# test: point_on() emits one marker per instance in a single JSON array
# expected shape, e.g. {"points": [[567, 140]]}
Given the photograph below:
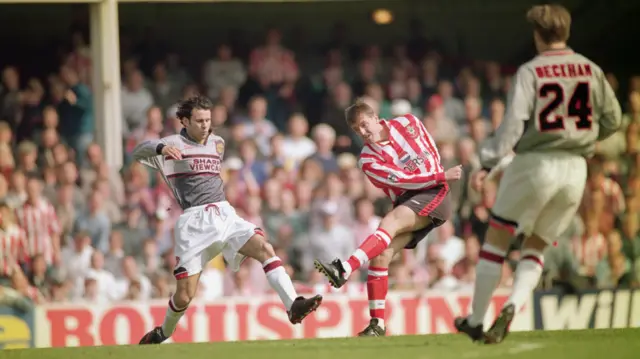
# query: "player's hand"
{"points": [[172, 152], [477, 180], [453, 174]]}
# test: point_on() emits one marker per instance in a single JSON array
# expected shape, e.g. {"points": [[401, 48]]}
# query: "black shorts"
{"points": [[433, 203]]}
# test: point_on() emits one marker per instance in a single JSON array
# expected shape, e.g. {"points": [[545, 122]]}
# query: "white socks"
{"points": [[280, 281], [488, 274], [171, 318], [527, 277]]}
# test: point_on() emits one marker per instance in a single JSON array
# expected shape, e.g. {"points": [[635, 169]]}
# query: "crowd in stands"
{"points": [[75, 229]]}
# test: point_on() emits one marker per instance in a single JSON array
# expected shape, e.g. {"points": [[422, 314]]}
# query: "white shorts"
{"points": [[204, 232], [540, 193]]}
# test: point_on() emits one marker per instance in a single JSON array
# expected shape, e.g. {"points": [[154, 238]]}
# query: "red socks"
{"points": [[372, 247], [377, 288]]}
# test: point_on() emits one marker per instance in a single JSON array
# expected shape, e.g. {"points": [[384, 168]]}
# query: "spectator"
{"points": [[98, 169], [113, 258], [38, 218], [136, 101], [257, 126], [453, 107], [366, 222], [297, 146], [65, 209], [27, 158], [10, 96], [615, 269], [7, 162], [224, 71], [328, 241], [272, 63], [324, 137], [442, 128], [50, 139], [76, 259], [163, 90], [132, 284], [496, 113], [134, 228], [76, 113], [104, 280], [450, 247], [13, 241], [31, 116]]}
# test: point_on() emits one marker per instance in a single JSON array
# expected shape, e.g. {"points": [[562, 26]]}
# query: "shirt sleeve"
{"points": [[147, 152], [520, 105], [387, 175], [611, 118]]}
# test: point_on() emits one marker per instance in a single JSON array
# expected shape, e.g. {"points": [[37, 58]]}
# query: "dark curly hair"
{"points": [[186, 107]]}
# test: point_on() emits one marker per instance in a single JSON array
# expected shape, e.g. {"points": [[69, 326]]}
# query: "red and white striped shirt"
{"points": [[409, 160], [589, 251], [613, 197], [12, 249], [41, 225]]}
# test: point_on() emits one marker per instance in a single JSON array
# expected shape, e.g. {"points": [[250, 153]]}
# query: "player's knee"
{"points": [[267, 249], [499, 238], [391, 225], [182, 297], [261, 248], [534, 242], [384, 259]]}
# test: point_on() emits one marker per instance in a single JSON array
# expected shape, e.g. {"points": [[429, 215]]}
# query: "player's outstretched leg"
{"points": [[527, 276], [378, 286], [297, 307], [488, 274], [178, 304], [337, 272], [401, 220]]}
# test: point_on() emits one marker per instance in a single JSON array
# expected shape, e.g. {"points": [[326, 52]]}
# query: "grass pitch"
{"points": [[587, 344]]}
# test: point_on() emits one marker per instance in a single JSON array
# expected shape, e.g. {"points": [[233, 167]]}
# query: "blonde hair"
{"points": [[27, 147], [551, 22], [360, 107]]}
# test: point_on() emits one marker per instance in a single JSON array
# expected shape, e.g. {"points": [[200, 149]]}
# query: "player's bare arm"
{"points": [[520, 106]]}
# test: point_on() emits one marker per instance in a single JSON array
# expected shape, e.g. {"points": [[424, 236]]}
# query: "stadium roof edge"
{"points": [[162, 1]]}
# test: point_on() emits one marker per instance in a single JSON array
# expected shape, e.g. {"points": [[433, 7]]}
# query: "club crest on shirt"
{"points": [[220, 148], [411, 131]]}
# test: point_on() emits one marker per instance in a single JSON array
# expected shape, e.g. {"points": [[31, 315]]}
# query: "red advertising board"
{"points": [[249, 319]]}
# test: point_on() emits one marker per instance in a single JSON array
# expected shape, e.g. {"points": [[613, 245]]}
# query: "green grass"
{"points": [[591, 344]]}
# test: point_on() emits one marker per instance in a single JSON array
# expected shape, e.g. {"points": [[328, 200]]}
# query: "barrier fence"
{"points": [[339, 316]]}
